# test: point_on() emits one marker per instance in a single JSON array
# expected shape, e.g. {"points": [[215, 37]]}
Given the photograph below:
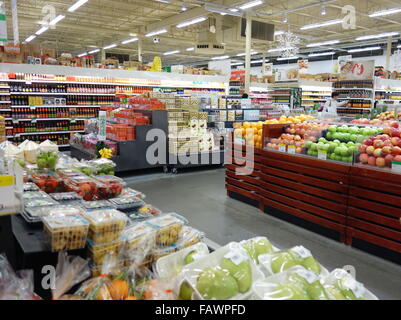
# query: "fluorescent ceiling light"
{"points": [[190, 22], [155, 33], [29, 39], [385, 12], [380, 35], [164, 1], [399, 46], [224, 12], [325, 43], [237, 63], [281, 49], [233, 10], [322, 24], [110, 46], [250, 4], [322, 54], [82, 54], [130, 40], [56, 20], [41, 30], [190, 49], [277, 33], [94, 51], [76, 5], [364, 49], [258, 61], [171, 52], [220, 58], [288, 58], [244, 54]]}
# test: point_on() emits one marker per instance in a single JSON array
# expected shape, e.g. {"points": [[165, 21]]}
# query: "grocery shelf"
{"points": [[367, 89], [60, 106], [5, 109], [60, 94], [4, 93], [5, 102], [50, 119], [349, 98], [46, 132], [314, 99]]}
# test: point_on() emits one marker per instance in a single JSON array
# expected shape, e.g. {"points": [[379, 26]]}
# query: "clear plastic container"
{"points": [[109, 186], [40, 202], [128, 192], [162, 251], [82, 185], [66, 232], [128, 203], [48, 182], [105, 225], [103, 166], [97, 204], [150, 210], [66, 196], [134, 234], [55, 210], [30, 186], [35, 195], [97, 252], [68, 173], [168, 227], [189, 236]]}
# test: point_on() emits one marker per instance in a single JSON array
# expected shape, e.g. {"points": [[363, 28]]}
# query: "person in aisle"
{"points": [[245, 96], [332, 104]]}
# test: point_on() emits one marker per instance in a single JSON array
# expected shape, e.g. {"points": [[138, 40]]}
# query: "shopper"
{"points": [[332, 104]]}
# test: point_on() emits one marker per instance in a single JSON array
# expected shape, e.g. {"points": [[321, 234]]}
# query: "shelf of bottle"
{"points": [[367, 89], [4, 93], [356, 108], [50, 119], [5, 102], [351, 98], [47, 132], [314, 99], [4, 87], [60, 106], [60, 94]]}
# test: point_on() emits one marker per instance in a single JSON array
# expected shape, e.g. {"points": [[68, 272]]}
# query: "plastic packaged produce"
{"points": [[296, 283], [168, 227], [189, 236], [128, 203], [103, 166], [31, 150], [66, 196], [297, 256], [149, 210], [35, 195], [227, 273], [128, 192], [40, 202], [82, 185], [54, 210], [48, 182], [47, 160], [70, 271], [157, 289], [13, 285], [12, 151], [109, 186], [97, 252], [105, 225], [30, 186], [65, 232], [170, 266], [340, 285], [97, 204], [48, 146], [66, 173], [257, 246], [136, 235], [85, 168]]}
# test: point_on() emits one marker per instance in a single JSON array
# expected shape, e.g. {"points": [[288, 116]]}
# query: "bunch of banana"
{"points": [[106, 153]]}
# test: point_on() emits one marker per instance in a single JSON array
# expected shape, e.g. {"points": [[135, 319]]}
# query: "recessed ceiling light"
{"points": [[82, 54], [41, 30], [280, 49], [29, 39], [56, 20], [287, 58], [94, 51], [190, 49]]}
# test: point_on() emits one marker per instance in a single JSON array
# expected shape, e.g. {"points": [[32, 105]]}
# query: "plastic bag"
{"points": [[48, 146], [156, 289], [15, 286], [258, 246], [12, 151], [31, 150], [69, 272]]}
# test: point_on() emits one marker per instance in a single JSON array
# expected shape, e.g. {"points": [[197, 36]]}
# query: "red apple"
{"points": [[377, 153], [378, 144], [396, 151], [387, 150], [372, 161], [387, 130], [370, 150], [298, 150], [395, 141], [380, 162], [388, 143], [364, 158], [368, 142], [397, 158], [395, 132], [384, 137], [389, 159], [362, 148], [395, 124]]}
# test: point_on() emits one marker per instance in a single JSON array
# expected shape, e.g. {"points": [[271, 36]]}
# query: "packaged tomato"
{"points": [[48, 182], [83, 186], [109, 186]]}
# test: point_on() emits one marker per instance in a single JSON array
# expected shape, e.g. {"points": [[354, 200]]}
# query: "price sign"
{"points": [[396, 166], [291, 149], [7, 195], [282, 148], [102, 126], [322, 155]]}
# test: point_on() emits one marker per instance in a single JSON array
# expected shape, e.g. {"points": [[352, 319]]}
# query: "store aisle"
{"points": [[201, 197]]}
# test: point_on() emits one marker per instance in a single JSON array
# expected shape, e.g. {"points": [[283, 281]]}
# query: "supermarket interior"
{"points": [[200, 150]]}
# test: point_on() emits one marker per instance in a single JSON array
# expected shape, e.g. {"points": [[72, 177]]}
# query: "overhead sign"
{"points": [[358, 70], [3, 24]]}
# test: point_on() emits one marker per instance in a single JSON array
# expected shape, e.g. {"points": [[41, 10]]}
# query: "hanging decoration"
{"points": [[288, 44]]}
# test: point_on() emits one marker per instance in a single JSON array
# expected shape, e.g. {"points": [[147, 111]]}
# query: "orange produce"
{"points": [[119, 289]]}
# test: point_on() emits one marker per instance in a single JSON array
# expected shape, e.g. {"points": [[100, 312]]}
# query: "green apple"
{"points": [[214, 283], [333, 129]]}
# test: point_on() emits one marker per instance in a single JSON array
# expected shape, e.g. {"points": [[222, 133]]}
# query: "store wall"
{"points": [[326, 66]]}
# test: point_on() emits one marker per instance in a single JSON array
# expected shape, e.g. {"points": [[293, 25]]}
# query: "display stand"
{"points": [[7, 245]]}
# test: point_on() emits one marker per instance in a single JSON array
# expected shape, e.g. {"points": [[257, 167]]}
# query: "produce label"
{"points": [[396, 166], [282, 148], [302, 252], [291, 149], [236, 257], [307, 275], [322, 155]]}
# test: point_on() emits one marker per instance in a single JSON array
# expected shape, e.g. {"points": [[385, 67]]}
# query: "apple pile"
{"points": [[288, 139], [381, 150], [307, 130], [388, 115], [354, 134], [376, 122], [335, 150]]}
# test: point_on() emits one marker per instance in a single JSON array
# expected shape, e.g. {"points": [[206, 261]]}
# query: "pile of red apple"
{"points": [[377, 122], [287, 139], [381, 150], [307, 130]]}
